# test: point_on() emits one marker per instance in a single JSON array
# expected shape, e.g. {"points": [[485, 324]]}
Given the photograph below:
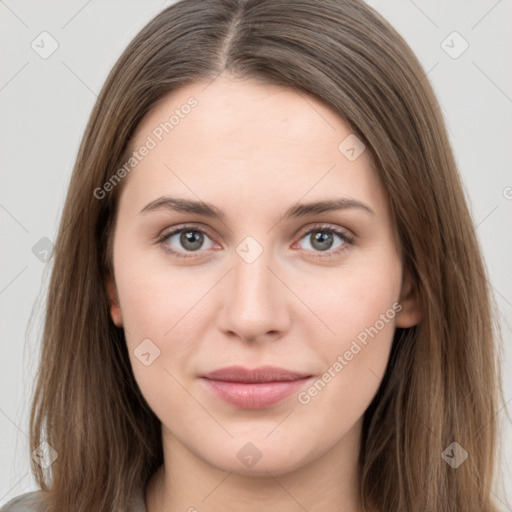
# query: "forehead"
{"points": [[240, 136], [243, 110]]}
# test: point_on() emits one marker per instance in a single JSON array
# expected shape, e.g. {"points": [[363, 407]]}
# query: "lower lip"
{"points": [[254, 395]]}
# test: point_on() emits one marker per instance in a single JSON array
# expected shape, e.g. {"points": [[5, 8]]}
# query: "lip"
{"points": [[256, 388]]}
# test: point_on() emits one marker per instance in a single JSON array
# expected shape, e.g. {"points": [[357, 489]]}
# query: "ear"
{"points": [[411, 312], [113, 300]]}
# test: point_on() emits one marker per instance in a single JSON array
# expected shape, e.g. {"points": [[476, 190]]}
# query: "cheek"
{"points": [[161, 310], [346, 302], [358, 313], [159, 340], [152, 295], [336, 399]]}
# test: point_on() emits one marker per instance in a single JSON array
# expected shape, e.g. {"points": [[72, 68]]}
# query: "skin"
{"points": [[254, 150]]}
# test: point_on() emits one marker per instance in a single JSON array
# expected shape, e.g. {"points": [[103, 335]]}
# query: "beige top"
{"points": [[32, 502]]}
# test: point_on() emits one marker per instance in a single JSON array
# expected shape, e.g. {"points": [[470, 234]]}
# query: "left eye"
{"points": [[190, 239], [322, 239]]}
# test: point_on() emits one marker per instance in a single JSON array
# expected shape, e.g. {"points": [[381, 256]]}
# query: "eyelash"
{"points": [[347, 239]]}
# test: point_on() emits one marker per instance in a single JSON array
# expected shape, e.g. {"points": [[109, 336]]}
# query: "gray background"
{"points": [[45, 104]]}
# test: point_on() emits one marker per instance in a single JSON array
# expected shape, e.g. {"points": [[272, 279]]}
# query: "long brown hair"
{"points": [[442, 384]]}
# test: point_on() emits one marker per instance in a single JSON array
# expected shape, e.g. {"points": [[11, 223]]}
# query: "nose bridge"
{"points": [[255, 303], [252, 280]]}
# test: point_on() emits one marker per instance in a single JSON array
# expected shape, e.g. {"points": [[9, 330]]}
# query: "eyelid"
{"points": [[326, 226], [192, 226], [343, 233]]}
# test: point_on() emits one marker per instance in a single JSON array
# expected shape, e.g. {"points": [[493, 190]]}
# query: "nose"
{"points": [[257, 302]]}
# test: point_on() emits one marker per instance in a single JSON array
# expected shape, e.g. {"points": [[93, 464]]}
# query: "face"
{"points": [[255, 280]]}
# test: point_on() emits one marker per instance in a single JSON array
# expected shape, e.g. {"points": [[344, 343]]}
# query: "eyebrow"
{"points": [[209, 210]]}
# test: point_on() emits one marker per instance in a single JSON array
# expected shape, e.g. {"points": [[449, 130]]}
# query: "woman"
{"points": [[267, 292]]}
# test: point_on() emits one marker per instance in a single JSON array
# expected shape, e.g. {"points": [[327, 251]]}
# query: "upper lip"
{"points": [[260, 374]]}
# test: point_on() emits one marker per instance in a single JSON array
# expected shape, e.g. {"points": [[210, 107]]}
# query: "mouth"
{"points": [[257, 388]]}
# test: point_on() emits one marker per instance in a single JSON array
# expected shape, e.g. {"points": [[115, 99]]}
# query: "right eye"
{"points": [[190, 238]]}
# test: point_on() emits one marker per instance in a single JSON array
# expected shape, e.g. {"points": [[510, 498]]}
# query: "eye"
{"points": [[190, 239], [323, 239], [187, 239]]}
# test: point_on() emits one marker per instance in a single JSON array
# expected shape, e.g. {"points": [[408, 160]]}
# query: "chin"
{"points": [[258, 457]]}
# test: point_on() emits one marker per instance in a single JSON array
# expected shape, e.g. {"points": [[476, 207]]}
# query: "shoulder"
{"points": [[34, 502], [28, 502]]}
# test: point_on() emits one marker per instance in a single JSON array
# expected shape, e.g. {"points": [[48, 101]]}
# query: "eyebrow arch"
{"points": [[295, 211]]}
